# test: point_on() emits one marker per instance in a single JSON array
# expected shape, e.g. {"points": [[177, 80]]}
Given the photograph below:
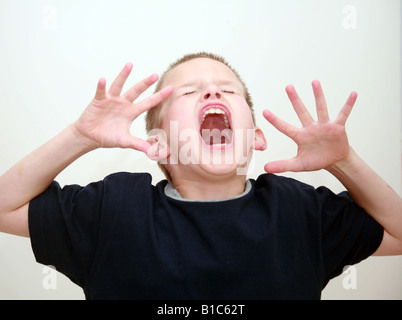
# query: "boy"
{"points": [[208, 233]]}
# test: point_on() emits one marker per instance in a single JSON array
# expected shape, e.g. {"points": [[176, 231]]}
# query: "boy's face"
{"points": [[208, 123]]}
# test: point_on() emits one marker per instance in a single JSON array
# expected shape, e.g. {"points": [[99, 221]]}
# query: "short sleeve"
{"points": [[63, 225], [349, 234]]}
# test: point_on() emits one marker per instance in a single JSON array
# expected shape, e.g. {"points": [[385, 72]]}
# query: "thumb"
{"points": [[283, 166], [158, 151], [132, 142]]}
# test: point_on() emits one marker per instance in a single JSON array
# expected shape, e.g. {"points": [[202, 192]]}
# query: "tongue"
{"points": [[214, 121], [214, 131]]}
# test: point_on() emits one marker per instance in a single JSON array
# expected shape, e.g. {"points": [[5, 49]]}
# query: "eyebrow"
{"points": [[194, 83], [189, 84]]}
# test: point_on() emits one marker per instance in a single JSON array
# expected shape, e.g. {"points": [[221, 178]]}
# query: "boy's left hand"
{"points": [[322, 143]]}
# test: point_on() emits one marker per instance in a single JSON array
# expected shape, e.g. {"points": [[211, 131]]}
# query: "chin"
{"points": [[219, 170], [222, 162]]}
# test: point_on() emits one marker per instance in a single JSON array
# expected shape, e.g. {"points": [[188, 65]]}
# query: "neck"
{"points": [[207, 189]]}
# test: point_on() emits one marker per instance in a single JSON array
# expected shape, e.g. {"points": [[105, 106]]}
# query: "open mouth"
{"points": [[215, 126]]}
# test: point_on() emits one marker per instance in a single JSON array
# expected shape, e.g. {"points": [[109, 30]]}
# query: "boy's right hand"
{"points": [[106, 121]]}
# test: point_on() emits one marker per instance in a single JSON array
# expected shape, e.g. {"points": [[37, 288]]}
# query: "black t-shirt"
{"points": [[123, 238]]}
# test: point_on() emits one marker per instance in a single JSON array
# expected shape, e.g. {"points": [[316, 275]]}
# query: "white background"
{"points": [[53, 52]]}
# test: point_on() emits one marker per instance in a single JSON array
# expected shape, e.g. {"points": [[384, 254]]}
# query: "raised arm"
{"points": [[323, 144], [105, 123]]}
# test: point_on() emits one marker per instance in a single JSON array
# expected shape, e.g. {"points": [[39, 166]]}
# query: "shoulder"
{"points": [[128, 177], [287, 197], [291, 193], [113, 188], [275, 183], [120, 181], [288, 185], [124, 185]]}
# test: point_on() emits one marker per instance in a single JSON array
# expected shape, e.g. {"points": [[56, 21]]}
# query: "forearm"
{"points": [[370, 192], [33, 174]]}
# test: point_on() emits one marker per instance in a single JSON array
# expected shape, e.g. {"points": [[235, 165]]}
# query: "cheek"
{"points": [[179, 123], [242, 112], [243, 119], [176, 111], [244, 128]]}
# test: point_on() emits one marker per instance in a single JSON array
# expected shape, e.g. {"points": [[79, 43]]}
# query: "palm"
{"points": [[320, 146], [320, 143], [107, 120]]}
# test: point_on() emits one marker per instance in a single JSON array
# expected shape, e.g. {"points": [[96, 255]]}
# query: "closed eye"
{"points": [[228, 91], [188, 93]]}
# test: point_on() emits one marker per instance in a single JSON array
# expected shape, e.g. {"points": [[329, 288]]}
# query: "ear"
{"points": [[159, 149], [260, 143]]}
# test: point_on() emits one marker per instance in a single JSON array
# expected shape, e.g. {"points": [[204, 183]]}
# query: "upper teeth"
{"points": [[216, 111]]}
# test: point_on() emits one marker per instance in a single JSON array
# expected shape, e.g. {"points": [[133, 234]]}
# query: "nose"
{"points": [[211, 92]]}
